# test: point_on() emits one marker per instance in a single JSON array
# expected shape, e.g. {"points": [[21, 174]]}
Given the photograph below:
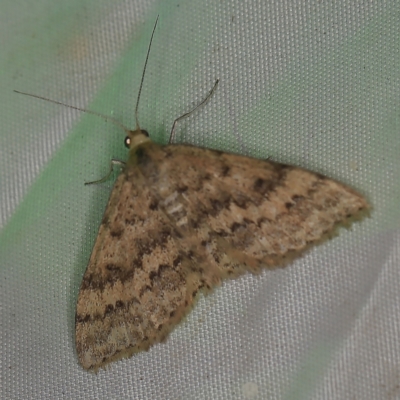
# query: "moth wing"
{"points": [[139, 282], [248, 213]]}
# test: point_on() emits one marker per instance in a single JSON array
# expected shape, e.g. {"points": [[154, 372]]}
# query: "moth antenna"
{"points": [[143, 73], [105, 117]]}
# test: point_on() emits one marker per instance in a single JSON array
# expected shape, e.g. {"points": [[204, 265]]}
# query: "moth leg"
{"points": [[113, 162], [172, 134]]}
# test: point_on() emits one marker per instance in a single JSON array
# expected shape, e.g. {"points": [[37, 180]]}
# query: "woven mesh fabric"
{"points": [[310, 83]]}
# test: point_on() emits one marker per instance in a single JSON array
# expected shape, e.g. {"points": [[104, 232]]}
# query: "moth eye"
{"points": [[145, 133], [127, 142]]}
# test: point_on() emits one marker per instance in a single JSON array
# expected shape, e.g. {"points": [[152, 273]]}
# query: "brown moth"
{"points": [[180, 219]]}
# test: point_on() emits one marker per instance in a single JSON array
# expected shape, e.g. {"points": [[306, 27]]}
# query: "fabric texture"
{"points": [[313, 84]]}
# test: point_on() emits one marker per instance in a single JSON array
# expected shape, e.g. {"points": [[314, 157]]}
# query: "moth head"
{"points": [[136, 138]]}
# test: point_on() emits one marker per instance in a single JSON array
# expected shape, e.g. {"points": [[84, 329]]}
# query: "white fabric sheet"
{"points": [[310, 83]]}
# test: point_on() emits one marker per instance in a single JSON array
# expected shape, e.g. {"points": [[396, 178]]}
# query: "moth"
{"points": [[180, 219]]}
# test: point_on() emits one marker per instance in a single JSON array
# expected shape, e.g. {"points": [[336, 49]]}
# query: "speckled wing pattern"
{"points": [[180, 219]]}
